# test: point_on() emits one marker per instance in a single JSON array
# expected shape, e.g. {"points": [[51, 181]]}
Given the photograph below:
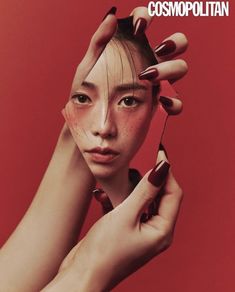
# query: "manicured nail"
{"points": [[161, 147], [148, 74], [99, 195], [104, 200], [159, 173], [165, 48], [166, 101], [140, 26], [111, 11]]}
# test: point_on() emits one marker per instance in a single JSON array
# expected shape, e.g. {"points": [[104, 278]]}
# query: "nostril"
{"points": [[104, 134], [106, 130]]}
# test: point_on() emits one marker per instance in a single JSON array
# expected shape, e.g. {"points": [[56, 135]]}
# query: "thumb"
{"points": [[146, 190]]}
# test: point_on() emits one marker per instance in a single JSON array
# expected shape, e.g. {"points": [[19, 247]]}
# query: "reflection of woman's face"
{"points": [[111, 112]]}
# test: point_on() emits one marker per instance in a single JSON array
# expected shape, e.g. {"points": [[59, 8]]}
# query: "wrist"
{"points": [[75, 281]]}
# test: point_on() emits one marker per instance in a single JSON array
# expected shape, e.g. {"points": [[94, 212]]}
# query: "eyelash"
{"points": [[87, 100], [81, 95], [133, 99]]}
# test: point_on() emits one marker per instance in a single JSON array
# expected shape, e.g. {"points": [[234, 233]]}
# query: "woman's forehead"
{"points": [[119, 63]]}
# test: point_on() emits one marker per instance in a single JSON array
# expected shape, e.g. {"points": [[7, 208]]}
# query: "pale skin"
{"points": [[123, 243], [111, 112], [62, 192]]}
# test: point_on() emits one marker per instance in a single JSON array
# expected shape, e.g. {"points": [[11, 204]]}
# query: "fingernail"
{"points": [[104, 200], [166, 101], [165, 48], [140, 26], [161, 147], [113, 11], [100, 195], [159, 173], [148, 74]]}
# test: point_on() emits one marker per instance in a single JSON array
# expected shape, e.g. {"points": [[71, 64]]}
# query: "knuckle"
{"points": [[148, 198], [167, 242], [179, 192]]}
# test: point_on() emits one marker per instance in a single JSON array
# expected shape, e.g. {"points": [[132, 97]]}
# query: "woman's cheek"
{"points": [[136, 121], [134, 130]]}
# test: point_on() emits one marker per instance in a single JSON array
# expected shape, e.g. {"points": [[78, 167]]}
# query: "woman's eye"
{"points": [[129, 102], [81, 99]]}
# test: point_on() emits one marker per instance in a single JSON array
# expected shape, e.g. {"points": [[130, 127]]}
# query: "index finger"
{"points": [[97, 44]]}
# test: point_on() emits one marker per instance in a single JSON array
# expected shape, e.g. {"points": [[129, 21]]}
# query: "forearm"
{"points": [[49, 229], [75, 279]]}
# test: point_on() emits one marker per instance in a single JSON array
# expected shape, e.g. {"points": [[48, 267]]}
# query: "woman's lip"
{"points": [[103, 151], [102, 157]]}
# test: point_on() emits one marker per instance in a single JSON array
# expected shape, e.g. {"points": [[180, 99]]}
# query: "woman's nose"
{"points": [[105, 126]]}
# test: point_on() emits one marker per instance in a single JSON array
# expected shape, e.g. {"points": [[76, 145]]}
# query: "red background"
{"points": [[41, 44]]}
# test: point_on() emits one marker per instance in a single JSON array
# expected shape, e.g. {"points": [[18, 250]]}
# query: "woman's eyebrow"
{"points": [[130, 86], [89, 85]]}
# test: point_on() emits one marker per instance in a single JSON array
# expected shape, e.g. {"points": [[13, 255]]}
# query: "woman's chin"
{"points": [[103, 171]]}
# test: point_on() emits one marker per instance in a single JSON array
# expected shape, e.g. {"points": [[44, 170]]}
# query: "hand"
{"points": [[167, 68], [120, 243], [63, 196]]}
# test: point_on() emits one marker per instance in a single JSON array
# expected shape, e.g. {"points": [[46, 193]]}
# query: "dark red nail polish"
{"points": [[148, 74], [104, 200], [159, 173], [166, 101], [165, 48], [99, 195], [140, 26], [113, 11]]}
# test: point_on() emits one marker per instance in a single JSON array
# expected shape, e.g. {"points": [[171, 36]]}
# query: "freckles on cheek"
{"points": [[134, 125]]}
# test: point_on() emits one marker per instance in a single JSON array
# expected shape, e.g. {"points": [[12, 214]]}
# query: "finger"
{"points": [[141, 19], [171, 197], [173, 106], [97, 44], [169, 204], [162, 149], [103, 199], [153, 207], [161, 155], [153, 210], [171, 47], [169, 70], [145, 192]]}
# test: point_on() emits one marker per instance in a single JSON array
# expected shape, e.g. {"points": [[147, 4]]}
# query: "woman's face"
{"points": [[111, 111]]}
